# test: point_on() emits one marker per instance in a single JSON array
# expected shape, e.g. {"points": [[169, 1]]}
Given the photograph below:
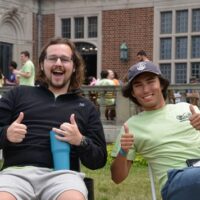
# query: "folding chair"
{"points": [[89, 182], [153, 189]]}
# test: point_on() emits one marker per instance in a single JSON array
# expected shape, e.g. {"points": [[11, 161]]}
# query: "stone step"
{"points": [[111, 132]]}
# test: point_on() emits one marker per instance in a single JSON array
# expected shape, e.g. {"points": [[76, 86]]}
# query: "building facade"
{"points": [[169, 32]]}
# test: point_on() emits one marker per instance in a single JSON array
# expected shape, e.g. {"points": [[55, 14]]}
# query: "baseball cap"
{"points": [[142, 67]]}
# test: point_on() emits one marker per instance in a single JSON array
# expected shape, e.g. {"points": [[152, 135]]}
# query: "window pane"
{"points": [[92, 27], [195, 47], [66, 28], [166, 71], [165, 48], [182, 21], [166, 22], [195, 70], [196, 20], [180, 73], [181, 47], [79, 27]]}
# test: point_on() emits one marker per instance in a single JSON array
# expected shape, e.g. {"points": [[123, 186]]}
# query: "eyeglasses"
{"points": [[53, 59]]}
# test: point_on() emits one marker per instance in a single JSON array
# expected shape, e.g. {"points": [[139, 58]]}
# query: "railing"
{"points": [[188, 92], [4, 89], [123, 107]]}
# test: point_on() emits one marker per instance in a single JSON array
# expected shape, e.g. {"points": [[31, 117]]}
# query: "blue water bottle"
{"points": [[60, 152]]}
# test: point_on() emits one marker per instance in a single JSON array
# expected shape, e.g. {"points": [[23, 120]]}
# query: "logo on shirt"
{"points": [[82, 104], [183, 117]]}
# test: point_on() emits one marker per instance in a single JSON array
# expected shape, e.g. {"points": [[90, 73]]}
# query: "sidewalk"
{"points": [[111, 132]]}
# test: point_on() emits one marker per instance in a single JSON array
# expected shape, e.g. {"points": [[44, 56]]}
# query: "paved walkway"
{"points": [[111, 132]]}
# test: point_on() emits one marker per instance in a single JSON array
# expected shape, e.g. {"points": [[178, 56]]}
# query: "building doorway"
{"points": [[5, 57], [89, 53]]}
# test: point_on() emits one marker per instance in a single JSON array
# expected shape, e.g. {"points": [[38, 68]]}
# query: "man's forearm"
{"points": [[24, 74], [120, 169], [20, 73]]}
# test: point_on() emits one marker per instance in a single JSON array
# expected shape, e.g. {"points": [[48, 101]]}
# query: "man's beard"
{"points": [[58, 85]]}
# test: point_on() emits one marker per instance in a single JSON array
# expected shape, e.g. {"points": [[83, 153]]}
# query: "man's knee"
{"points": [[6, 196], [71, 193]]}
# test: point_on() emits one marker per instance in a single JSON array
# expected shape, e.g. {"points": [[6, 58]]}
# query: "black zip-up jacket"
{"points": [[42, 112]]}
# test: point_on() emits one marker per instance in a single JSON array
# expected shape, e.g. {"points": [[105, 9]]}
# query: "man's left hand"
{"points": [[69, 132], [194, 118]]}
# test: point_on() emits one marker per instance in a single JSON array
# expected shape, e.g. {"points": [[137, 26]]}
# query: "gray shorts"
{"points": [[36, 183]]}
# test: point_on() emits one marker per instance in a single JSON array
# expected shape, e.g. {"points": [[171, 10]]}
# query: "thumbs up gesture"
{"points": [[69, 132], [16, 131], [194, 118], [127, 139]]}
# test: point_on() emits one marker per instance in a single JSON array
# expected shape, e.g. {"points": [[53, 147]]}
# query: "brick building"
{"points": [[169, 31]]}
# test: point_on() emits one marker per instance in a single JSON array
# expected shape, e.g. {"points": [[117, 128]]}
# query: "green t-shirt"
{"points": [[109, 97], [164, 137], [28, 67]]}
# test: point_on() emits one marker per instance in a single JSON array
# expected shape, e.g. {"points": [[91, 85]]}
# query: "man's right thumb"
{"points": [[20, 117], [126, 129]]}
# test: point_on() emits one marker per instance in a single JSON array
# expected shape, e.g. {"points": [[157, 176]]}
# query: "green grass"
{"points": [[135, 187]]}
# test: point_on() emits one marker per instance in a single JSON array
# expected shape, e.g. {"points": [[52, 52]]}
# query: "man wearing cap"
{"points": [[166, 135], [142, 56]]}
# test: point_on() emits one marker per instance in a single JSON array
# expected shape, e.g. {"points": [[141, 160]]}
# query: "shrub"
{"points": [[139, 160]]}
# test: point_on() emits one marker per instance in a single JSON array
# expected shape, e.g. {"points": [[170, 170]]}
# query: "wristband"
{"points": [[122, 152]]}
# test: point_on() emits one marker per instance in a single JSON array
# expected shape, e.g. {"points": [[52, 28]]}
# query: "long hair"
{"points": [[77, 77]]}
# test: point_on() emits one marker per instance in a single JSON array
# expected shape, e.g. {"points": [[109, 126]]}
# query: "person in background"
{"points": [[93, 95], [192, 96], [166, 135], [109, 97], [28, 114], [26, 74], [12, 80], [110, 74], [142, 56], [116, 79], [92, 81], [113, 76]]}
